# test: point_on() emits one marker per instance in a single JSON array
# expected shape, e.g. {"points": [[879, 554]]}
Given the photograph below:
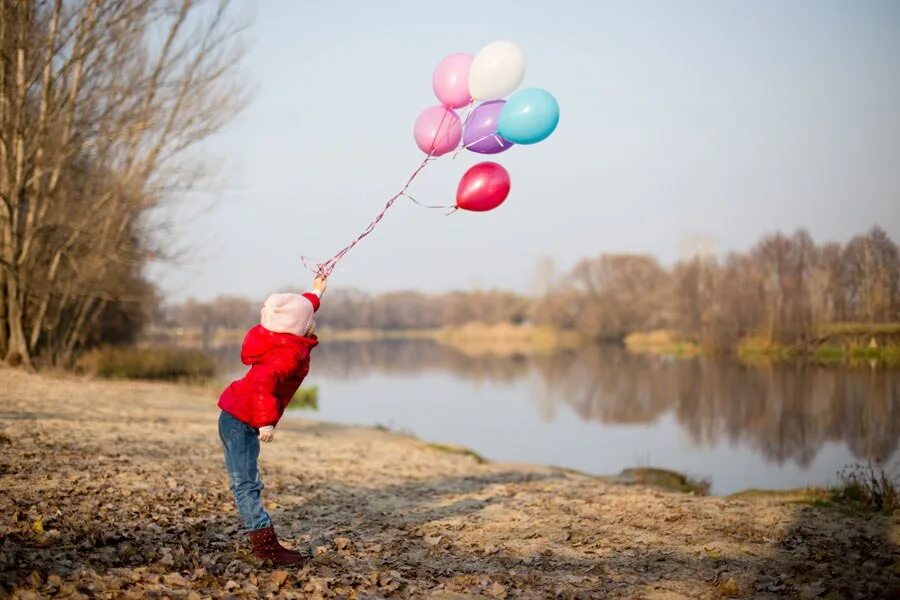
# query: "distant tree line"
{"points": [[783, 289], [354, 309], [99, 102]]}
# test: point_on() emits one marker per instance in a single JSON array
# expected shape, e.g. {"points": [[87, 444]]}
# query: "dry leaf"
{"points": [[174, 579], [341, 542], [730, 588], [278, 577]]}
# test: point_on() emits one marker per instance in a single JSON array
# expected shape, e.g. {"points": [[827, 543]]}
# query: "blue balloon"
{"points": [[529, 116]]}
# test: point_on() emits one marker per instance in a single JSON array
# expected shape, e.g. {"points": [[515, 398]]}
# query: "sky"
{"points": [[719, 121]]}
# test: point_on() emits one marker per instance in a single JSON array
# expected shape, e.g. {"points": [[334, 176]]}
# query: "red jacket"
{"points": [[278, 364]]}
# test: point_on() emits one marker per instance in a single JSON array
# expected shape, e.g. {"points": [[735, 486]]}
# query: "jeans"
{"points": [[241, 446]]}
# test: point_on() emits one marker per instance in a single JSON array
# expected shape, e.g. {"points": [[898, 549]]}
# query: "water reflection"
{"points": [[783, 412]]}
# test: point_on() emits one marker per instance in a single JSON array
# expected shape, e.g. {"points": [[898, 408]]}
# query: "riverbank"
{"points": [[833, 344], [117, 488], [838, 343]]}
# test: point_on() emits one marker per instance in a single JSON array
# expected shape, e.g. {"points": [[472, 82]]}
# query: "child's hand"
{"points": [[319, 284], [267, 434]]}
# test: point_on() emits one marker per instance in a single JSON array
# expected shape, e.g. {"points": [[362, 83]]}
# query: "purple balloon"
{"points": [[480, 133]]}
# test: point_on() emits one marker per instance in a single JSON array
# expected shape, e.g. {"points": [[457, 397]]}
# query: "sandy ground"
{"points": [[117, 489]]}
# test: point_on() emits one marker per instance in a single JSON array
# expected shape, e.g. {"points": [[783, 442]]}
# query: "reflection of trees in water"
{"points": [[608, 385], [352, 360], [787, 412]]}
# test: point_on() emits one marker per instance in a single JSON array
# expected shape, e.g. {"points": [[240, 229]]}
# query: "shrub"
{"points": [[167, 363], [306, 398], [869, 487], [665, 479]]}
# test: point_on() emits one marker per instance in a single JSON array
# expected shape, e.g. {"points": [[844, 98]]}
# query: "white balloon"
{"points": [[496, 71]]}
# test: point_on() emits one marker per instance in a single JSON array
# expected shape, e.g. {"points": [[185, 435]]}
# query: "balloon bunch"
{"points": [[493, 126]]}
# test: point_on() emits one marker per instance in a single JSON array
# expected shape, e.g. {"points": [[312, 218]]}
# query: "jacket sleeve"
{"points": [[314, 300]]}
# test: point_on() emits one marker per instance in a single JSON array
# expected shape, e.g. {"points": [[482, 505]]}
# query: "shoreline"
{"points": [[839, 344], [116, 487]]}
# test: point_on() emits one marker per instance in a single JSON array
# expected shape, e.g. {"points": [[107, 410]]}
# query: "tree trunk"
{"points": [[17, 346]]}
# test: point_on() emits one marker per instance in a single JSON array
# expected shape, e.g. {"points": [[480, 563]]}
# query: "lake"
{"points": [[602, 409]]}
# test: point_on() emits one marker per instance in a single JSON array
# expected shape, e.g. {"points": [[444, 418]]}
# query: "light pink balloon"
{"points": [[437, 130], [451, 80]]}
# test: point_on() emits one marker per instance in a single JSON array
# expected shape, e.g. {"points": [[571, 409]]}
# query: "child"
{"points": [[277, 351]]}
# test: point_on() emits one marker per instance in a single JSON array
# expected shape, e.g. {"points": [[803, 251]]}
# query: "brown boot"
{"points": [[266, 547]]}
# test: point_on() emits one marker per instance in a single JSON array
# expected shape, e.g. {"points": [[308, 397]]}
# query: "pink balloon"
{"points": [[437, 131], [451, 80]]}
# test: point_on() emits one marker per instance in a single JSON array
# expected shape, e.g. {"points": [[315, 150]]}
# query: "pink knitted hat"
{"points": [[288, 313]]}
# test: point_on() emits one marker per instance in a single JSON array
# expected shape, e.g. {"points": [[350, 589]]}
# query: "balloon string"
{"points": [[324, 269], [427, 205], [465, 123], [469, 112], [481, 139]]}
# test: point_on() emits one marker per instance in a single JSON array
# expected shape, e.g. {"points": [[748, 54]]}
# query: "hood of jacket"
{"points": [[259, 342]]}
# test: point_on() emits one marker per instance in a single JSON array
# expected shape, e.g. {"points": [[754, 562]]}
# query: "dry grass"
{"points": [[870, 487], [860, 328], [660, 342], [162, 364]]}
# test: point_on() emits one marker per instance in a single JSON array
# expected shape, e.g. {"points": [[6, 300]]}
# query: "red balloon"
{"points": [[483, 187]]}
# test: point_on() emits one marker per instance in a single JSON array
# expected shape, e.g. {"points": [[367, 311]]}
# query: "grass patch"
{"points": [[393, 429], [753, 348], [306, 398], [460, 450], [860, 328], [828, 354], [861, 489], [158, 364], [867, 487], [809, 495], [660, 342], [836, 350], [663, 478], [887, 353]]}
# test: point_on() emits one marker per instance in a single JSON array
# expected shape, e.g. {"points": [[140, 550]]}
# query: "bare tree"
{"points": [[618, 294], [871, 277], [100, 101], [783, 290]]}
